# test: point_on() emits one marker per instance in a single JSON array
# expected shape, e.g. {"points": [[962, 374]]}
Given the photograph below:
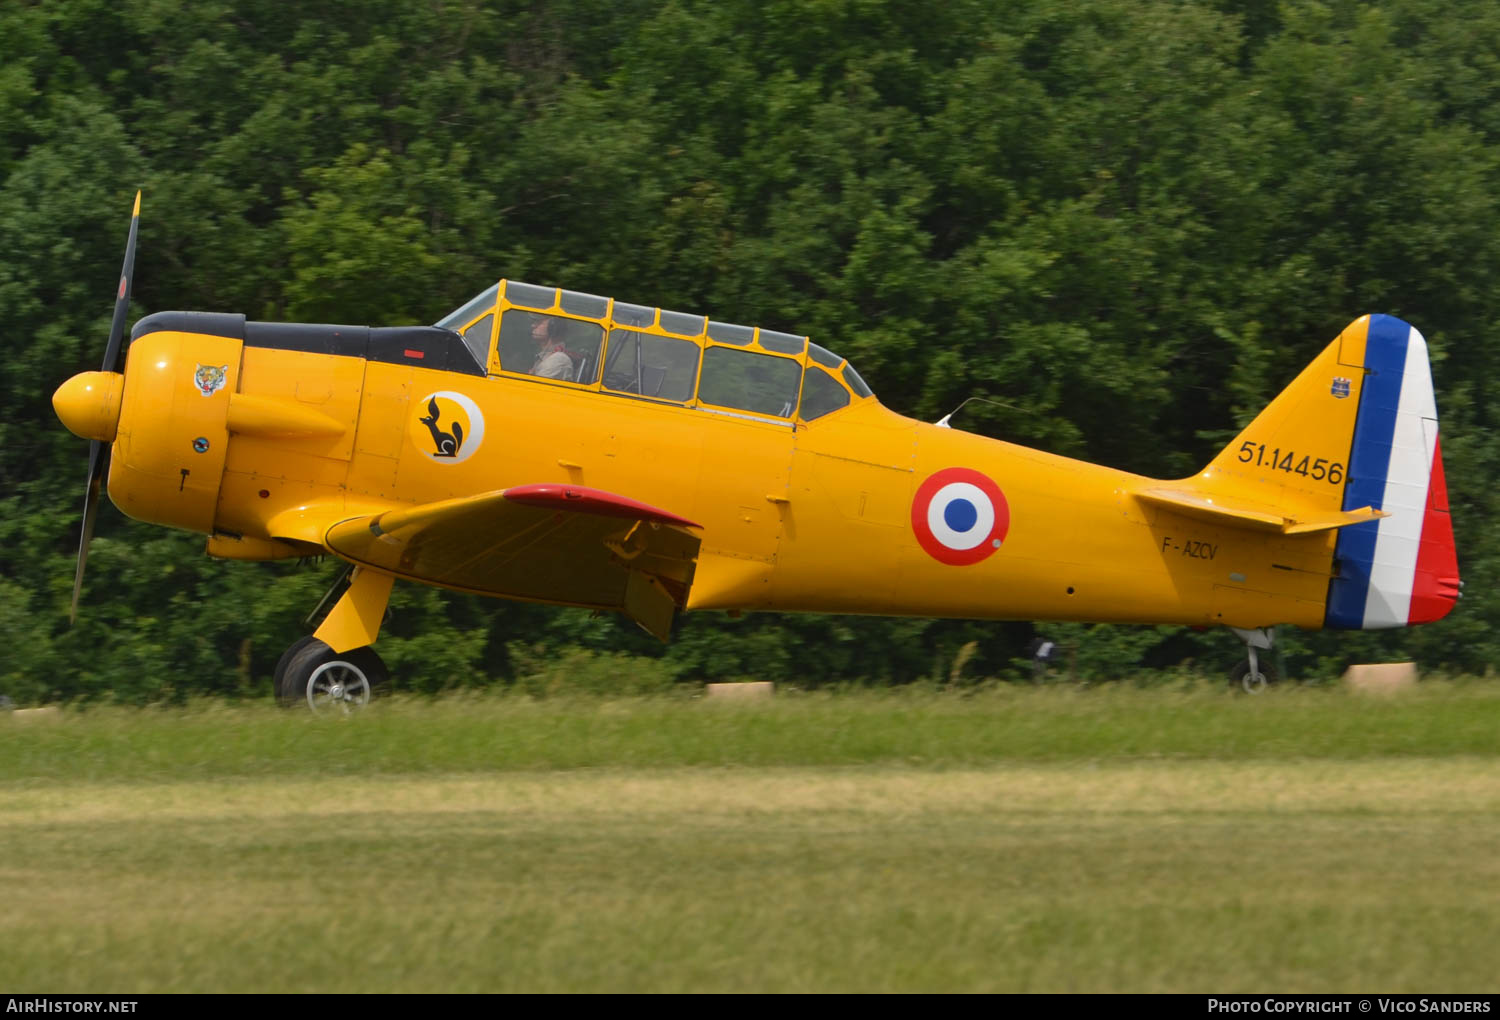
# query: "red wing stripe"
{"points": [[580, 499]]}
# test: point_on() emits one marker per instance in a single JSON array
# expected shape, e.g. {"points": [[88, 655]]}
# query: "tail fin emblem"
{"points": [[1340, 387]]}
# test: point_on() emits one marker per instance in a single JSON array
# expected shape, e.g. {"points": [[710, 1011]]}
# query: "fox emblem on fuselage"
{"points": [[447, 443], [451, 431]]}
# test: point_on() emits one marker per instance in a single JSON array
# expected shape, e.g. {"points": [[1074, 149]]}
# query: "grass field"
{"points": [[1010, 839]]}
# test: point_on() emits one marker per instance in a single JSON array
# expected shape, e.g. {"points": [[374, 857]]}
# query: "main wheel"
{"points": [[286, 657], [1253, 683], [325, 680]]}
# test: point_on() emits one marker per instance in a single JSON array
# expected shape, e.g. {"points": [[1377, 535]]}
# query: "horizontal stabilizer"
{"points": [[1239, 513]]}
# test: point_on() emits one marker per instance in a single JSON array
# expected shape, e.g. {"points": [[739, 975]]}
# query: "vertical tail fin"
{"points": [[1358, 428]]}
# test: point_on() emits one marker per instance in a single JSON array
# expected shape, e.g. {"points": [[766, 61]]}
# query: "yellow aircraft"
{"points": [[560, 447]]}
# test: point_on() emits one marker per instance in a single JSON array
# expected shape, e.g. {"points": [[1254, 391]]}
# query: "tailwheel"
{"points": [[328, 681], [1253, 680], [1258, 672]]}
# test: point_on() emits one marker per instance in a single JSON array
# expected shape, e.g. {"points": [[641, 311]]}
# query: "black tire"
{"points": [[320, 679], [286, 657], [1240, 678], [373, 667]]}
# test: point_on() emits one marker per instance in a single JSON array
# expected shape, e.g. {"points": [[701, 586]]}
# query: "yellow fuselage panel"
{"points": [[1077, 546], [520, 432], [265, 474]]}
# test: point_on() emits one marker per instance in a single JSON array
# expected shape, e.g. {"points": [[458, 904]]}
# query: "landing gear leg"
{"points": [[1258, 673], [336, 667]]}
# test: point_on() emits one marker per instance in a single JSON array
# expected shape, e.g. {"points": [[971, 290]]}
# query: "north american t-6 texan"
{"points": [[553, 446]]}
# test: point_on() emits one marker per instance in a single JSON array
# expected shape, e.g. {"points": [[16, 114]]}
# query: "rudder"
{"points": [[1402, 569]]}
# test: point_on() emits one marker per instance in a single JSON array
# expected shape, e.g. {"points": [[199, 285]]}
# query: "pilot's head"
{"points": [[541, 329]]}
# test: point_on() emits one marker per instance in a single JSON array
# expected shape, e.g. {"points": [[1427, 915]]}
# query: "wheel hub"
{"points": [[338, 683]]}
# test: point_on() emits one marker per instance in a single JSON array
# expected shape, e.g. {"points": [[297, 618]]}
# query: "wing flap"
{"points": [[564, 544], [1244, 514]]}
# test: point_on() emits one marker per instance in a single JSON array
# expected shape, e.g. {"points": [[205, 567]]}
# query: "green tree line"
{"points": [[1128, 222]]}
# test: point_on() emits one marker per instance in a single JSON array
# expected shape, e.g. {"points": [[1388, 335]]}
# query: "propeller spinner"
{"points": [[89, 405]]}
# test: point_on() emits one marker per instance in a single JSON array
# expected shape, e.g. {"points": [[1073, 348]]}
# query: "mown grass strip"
{"points": [[1155, 876], [934, 728]]}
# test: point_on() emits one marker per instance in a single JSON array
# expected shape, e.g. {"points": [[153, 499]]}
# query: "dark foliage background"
{"points": [[1130, 221]]}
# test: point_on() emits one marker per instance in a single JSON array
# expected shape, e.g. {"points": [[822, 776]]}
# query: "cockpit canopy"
{"points": [[598, 343]]}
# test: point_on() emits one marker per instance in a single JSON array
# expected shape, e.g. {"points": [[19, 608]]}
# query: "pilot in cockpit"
{"points": [[552, 361]]}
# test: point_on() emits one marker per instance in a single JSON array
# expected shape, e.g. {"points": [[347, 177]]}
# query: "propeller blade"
{"points": [[90, 514], [98, 450], [122, 294]]}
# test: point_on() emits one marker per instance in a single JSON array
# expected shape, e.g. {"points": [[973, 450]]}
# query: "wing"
{"points": [[563, 544]]}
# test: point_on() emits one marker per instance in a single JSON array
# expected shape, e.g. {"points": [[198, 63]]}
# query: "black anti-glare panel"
{"points": [[225, 324]]}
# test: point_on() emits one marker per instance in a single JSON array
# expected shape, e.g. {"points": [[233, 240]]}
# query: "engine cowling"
{"points": [[167, 461]]}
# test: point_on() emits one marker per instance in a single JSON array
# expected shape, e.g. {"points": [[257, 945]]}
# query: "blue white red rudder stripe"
{"points": [[1401, 569]]}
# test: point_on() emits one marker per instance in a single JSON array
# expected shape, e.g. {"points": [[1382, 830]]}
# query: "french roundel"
{"points": [[960, 516]]}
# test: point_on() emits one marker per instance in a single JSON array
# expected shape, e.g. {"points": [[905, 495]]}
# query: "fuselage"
{"points": [[252, 432]]}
